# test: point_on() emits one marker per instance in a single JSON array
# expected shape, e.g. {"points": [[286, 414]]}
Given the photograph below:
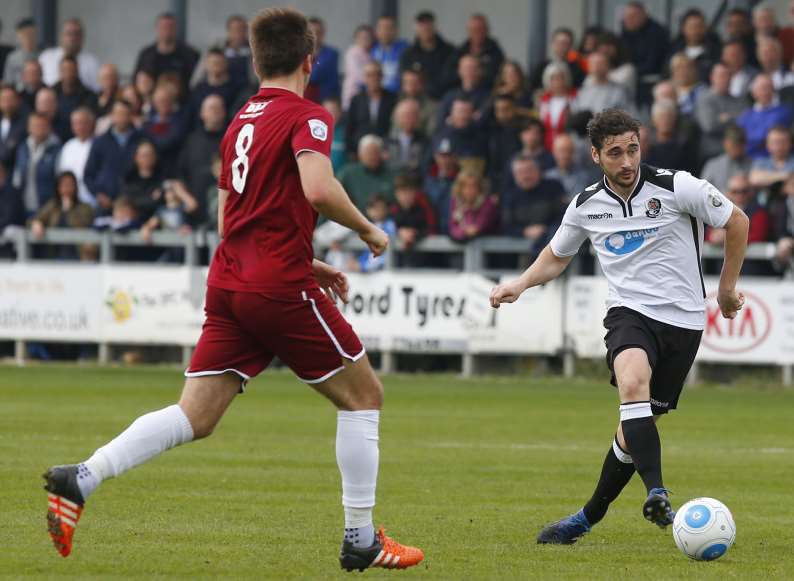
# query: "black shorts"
{"points": [[671, 351]]}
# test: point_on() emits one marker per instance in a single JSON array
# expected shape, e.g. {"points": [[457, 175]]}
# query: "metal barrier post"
{"points": [[19, 352], [788, 375], [387, 362], [469, 365], [191, 251], [103, 355], [106, 248], [22, 245], [473, 256], [187, 353], [694, 375]]}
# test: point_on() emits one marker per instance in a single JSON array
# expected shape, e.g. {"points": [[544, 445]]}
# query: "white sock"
{"points": [[357, 456], [147, 437]]}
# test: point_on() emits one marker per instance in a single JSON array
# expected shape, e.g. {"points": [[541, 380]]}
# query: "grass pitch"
{"points": [[470, 470]]}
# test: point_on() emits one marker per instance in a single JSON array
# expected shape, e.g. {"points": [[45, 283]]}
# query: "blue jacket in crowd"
{"points": [[389, 59], [109, 161], [45, 168]]}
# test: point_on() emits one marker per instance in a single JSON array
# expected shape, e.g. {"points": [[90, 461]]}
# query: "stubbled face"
{"points": [[563, 151], [633, 18], [619, 158], [526, 174], [561, 44], [778, 144]]}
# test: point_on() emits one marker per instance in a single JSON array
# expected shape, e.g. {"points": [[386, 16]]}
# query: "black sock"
{"points": [[615, 475], [642, 440]]}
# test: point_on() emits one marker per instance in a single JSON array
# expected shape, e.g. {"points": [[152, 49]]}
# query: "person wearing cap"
{"points": [[439, 181], [428, 54], [27, 49]]}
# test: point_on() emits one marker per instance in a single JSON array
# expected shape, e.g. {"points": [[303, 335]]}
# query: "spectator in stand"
{"points": [[144, 86], [357, 57], [174, 214], [12, 210], [588, 44], [428, 55], [143, 184], [740, 192], [556, 101], [667, 148], [533, 141], [71, 93], [71, 45], [387, 51], [124, 218], [237, 50], [770, 58], [481, 45], [742, 74], [168, 54], [781, 217], [27, 49], [573, 176], [410, 218], [598, 92], [338, 153], [474, 211], [35, 166], [472, 88], [74, 154], [561, 51], [697, 42], [511, 82], [532, 206], [438, 183], [684, 76], [31, 83], [64, 210], [130, 94], [465, 136], [762, 116], [369, 174], [765, 24], [13, 125], [413, 87], [621, 70], [47, 105], [109, 89], [378, 213], [503, 137], [371, 110], [739, 27], [166, 129], [407, 144], [111, 156], [776, 168], [201, 145], [715, 110], [324, 80], [217, 81], [718, 170]]}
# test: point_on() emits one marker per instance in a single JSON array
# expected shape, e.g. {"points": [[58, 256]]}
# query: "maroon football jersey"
{"points": [[267, 222]]}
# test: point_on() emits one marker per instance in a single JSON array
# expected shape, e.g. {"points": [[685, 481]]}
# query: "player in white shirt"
{"points": [[646, 226]]}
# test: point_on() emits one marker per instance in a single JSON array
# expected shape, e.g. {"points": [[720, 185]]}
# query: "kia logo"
{"points": [[747, 331]]}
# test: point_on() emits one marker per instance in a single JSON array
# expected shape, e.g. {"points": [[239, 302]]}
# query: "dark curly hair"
{"points": [[609, 123]]}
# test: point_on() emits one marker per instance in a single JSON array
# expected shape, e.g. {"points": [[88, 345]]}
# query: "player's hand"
{"points": [[376, 239], [332, 281], [507, 292], [730, 303]]}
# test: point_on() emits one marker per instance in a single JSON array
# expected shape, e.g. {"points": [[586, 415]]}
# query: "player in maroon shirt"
{"points": [[268, 297]]}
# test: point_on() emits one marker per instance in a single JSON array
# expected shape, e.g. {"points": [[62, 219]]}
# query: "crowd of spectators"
{"points": [[431, 138]]}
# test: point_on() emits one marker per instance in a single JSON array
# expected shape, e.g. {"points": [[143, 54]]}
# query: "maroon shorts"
{"points": [[243, 331]]}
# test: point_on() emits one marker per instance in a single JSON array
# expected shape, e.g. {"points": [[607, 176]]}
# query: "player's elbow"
{"points": [[317, 195]]}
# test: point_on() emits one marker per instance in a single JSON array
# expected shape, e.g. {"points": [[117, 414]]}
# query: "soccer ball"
{"points": [[704, 529]]}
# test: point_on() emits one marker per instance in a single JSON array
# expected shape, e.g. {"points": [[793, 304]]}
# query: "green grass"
{"points": [[470, 470]]}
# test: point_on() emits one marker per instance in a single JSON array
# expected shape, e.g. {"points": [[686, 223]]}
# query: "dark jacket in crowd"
{"points": [[182, 61], [109, 161], [541, 205], [16, 135], [45, 169], [195, 165], [413, 217], [167, 136], [491, 59], [648, 48], [479, 96], [324, 82], [145, 193], [430, 63], [468, 142], [359, 122], [12, 208]]}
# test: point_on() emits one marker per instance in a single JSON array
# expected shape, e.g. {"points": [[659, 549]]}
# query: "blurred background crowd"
{"points": [[431, 138]]}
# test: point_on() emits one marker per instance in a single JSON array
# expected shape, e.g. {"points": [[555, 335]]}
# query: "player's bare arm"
{"points": [[222, 195], [736, 229], [328, 197], [547, 267]]}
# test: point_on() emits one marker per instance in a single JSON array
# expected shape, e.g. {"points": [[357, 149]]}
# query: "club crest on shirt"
{"points": [[654, 208], [715, 199], [318, 129]]}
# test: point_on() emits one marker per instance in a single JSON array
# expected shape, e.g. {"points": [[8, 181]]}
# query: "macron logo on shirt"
{"points": [[319, 130]]}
